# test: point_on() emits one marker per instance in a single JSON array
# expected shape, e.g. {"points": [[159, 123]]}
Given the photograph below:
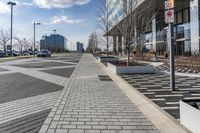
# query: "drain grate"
{"points": [[104, 78]]}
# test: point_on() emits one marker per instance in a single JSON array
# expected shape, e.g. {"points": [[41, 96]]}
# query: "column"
{"points": [[135, 34], [194, 18], [120, 44], [114, 44], [154, 32]]}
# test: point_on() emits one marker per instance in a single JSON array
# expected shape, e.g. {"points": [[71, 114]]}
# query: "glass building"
{"points": [[79, 47], [154, 33], [54, 43]]}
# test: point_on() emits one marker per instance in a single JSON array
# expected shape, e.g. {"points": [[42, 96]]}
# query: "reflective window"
{"points": [[179, 18], [186, 16]]}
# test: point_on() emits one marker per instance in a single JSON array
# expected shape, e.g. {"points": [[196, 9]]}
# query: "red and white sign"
{"points": [[169, 16], [169, 4]]}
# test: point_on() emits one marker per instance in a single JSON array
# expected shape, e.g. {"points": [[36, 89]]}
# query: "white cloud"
{"points": [[59, 3], [27, 4], [4, 8], [64, 19]]}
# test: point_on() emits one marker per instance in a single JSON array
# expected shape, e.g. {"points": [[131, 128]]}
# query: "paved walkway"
{"points": [[90, 105]]}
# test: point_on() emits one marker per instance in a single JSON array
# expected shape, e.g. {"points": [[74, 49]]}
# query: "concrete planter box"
{"points": [[107, 59], [189, 115], [131, 69]]}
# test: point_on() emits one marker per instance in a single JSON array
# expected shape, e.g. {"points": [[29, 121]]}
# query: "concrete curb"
{"points": [[162, 120]]}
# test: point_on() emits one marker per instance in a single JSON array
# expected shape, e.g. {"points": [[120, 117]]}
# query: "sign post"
{"points": [[169, 19]]}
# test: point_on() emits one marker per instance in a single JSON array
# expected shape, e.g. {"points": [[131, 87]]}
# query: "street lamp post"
{"points": [[34, 25], [54, 39], [169, 19], [11, 30]]}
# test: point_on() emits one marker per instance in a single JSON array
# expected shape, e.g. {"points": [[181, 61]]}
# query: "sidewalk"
{"points": [[90, 105]]}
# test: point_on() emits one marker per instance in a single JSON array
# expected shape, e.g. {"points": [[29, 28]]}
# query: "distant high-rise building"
{"points": [[79, 47], [54, 43]]}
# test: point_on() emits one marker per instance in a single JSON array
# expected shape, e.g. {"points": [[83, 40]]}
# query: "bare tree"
{"points": [[37, 45], [28, 44], [20, 43], [92, 41], [4, 39], [136, 19], [90, 47], [103, 21]]}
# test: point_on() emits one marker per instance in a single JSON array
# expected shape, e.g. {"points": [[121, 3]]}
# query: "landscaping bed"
{"points": [[134, 68], [186, 64], [145, 57], [108, 59]]}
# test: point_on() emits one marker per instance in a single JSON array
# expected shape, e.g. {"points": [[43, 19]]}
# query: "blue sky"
{"points": [[74, 19]]}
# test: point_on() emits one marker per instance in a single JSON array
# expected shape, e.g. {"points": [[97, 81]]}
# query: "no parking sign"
{"points": [[169, 11], [169, 16], [169, 4]]}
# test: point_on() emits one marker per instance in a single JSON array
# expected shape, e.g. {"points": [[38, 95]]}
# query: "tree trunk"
{"points": [[107, 45], [128, 56], [5, 49], [21, 51]]}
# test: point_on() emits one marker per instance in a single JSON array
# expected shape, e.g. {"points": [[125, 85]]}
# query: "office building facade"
{"points": [[79, 47], [54, 43], [154, 33]]}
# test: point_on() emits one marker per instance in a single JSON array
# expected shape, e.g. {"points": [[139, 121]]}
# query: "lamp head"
{"points": [[11, 3]]}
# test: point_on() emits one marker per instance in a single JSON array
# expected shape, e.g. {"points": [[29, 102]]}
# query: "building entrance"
{"points": [[179, 48]]}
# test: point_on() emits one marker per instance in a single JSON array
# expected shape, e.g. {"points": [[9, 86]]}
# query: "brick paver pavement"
{"points": [[90, 105]]}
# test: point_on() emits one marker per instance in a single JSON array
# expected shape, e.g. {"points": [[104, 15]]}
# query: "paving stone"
{"points": [[76, 131], [18, 86], [92, 131], [158, 89], [3, 70], [42, 65], [65, 72], [61, 131], [30, 123], [91, 104], [108, 131], [125, 131]]}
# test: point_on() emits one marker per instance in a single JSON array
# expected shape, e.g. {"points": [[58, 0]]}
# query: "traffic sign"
{"points": [[169, 4], [169, 16]]}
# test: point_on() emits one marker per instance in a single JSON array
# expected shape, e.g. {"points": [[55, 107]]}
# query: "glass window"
{"points": [[179, 18], [175, 18], [185, 16]]}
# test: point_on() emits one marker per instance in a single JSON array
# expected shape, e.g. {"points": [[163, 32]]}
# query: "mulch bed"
{"points": [[125, 64]]}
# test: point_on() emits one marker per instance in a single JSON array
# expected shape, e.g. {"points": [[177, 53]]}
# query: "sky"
{"points": [[74, 19]]}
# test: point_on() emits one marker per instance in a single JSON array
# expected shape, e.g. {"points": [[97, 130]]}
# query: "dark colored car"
{"points": [[16, 53], [44, 53], [2, 54], [26, 53]]}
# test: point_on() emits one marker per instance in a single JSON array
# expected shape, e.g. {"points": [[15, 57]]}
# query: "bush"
{"points": [[144, 57], [152, 52], [134, 52]]}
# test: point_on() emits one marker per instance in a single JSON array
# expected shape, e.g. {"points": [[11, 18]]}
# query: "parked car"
{"points": [[26, 53], [2, 53], [36, 52], [31, 52], [16, 53], [44, 53]]}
